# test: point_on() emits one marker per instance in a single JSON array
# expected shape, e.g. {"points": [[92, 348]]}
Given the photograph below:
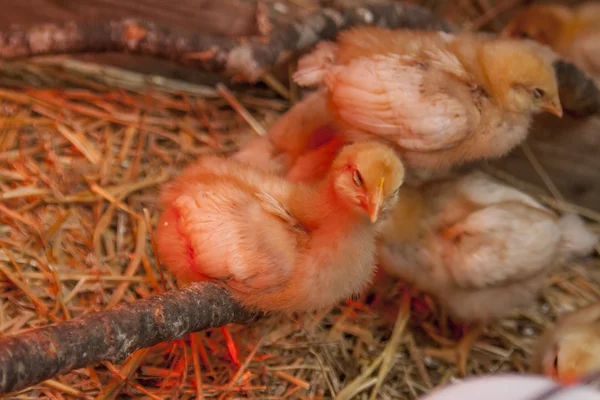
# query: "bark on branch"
{"points": [[245, 58], [35, 355]]}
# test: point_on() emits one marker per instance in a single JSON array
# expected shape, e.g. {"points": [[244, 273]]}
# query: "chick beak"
{"points": [[568, 378], [450, 233], [554, 107], [375, 204]]}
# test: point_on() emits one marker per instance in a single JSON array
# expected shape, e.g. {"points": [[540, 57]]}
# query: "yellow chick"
{"points": [[279, 245], [571, 349], [574, 33], [441, 99], [480, 247]]}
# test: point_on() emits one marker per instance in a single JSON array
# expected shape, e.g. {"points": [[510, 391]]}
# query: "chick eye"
{"points": [[358, 180], [538, 93]]}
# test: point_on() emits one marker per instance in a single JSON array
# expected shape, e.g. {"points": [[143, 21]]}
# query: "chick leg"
{"points": [[443, 326], [233, 353], [441, 339], [458, 353]]}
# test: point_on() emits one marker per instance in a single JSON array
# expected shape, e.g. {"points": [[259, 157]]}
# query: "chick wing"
{"points": [[258, 234], [411, 103], [500, 245]]}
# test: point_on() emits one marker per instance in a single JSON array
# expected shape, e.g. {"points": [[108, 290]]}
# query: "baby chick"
{"points": [[441, 99], [571, 349], [480, 247], [279, 245], [573, 33]]}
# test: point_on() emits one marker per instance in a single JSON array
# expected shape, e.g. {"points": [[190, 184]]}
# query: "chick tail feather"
{"points": [[175, 249], [576, 239]]}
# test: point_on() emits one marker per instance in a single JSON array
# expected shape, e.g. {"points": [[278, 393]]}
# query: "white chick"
{"points": [[482, 248]]}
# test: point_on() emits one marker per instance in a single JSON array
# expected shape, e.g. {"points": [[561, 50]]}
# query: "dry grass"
{"points": [[83, 150]]}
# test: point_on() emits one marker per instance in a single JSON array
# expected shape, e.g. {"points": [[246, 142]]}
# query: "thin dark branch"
{"points": [[33, 356], [244, 58]]}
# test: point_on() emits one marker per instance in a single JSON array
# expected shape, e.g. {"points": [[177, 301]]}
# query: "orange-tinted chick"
{"points": [[279, 245]]}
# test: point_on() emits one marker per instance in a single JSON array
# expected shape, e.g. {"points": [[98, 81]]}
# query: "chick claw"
{"points": [[459, 353]]}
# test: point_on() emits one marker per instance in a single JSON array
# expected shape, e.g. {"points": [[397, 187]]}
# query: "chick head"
{"points": [[542, 23], [367, 176], [519, 77], [576, 353]]}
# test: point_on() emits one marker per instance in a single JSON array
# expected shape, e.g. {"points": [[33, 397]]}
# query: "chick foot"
{"points": [[231, 348], [459, 353]]}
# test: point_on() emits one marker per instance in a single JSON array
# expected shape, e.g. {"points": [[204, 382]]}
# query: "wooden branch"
{"points": [[232, 18], [33, 356], [246, 59], [249, 58]]}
